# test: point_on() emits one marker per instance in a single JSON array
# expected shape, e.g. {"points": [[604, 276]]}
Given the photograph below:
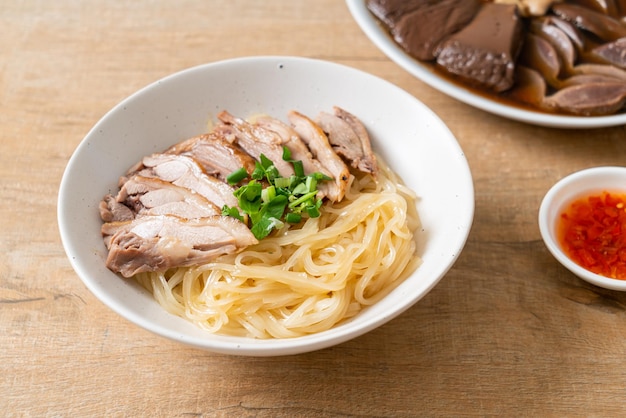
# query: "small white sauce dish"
{"points": [[575, 185]]}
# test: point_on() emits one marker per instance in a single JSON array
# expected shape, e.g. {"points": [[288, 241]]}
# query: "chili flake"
{"points": [[592, 232]]}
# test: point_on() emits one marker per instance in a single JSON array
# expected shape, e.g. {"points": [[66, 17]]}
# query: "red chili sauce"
{"points": [[592, 232]]}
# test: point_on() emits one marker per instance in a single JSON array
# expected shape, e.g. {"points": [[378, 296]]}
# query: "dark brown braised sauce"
{"points": [[502, 98], [562, 57]]}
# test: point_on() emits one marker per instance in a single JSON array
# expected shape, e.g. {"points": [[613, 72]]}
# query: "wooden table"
{"points": [[507, 332]]}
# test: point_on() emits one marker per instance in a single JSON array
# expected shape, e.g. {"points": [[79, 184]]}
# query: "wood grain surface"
{"points": [[507, 332]]}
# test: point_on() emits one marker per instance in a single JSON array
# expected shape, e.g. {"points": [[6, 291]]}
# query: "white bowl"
{"points": [[579, 184], [379, 36], [409, 136]]}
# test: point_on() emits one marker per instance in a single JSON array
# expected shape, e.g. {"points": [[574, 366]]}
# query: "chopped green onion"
{"points": [[266, 162], [288, 198], [311, 184], [302, 199], [293, 218], [298, 168], [259, 171], [300, 189], [236, 176], [286, 154], [320, 176], [282, 182], [313, 211], [268, 194]]}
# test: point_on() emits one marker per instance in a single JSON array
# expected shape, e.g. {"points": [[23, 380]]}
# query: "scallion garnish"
{"points": [[283, 200], [236, 176]]}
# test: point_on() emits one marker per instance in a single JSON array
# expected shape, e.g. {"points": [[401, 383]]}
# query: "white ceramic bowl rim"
{"points": [[377, 34], [575, 185], [179, 106]]}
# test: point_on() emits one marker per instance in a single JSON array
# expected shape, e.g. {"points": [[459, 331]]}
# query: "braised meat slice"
{"points": [[112, 210], [391, 11], [553, 32], [157, 243], [590, 99], [540, 55], [419, 26], [183, 171], [153, 196], [604, 27], [607, 7], [215, 154], [612, 53], [349, 139], [317, 141], [255, 140], [530, 87], [168, 211], [484, 52], [299, 151], [291, 139], [600, 69]]}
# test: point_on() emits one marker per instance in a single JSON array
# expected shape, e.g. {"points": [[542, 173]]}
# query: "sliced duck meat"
{"points": [[299, 151], [215, 154], [185, 172], [423, 26], [589, 99], [112, 210], [255, 140], [483, 53], [317, 141], [291, 139], [349, 139], [153, 196], [604, 27], [157, 243]]}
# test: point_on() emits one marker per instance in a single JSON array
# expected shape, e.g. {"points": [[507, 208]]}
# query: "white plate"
{"points": [[379, 36], [408, 135]]}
